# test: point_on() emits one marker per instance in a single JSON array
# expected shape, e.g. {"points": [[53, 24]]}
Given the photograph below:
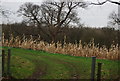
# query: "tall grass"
{"points": [[87, 50]]}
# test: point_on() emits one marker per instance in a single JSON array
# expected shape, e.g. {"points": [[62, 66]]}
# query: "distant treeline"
{"points": [[101, 36]]}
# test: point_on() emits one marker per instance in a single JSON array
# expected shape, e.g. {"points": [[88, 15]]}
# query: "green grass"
{"points": [[39, 64], [21, 67]]}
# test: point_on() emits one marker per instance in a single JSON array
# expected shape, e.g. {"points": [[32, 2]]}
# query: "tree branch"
{"points": [[114, 2], [101, 3]]}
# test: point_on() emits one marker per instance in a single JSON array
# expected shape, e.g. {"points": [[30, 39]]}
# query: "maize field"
{"points": [[87, 50]]}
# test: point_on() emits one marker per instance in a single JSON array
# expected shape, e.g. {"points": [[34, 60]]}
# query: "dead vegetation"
{"points": [[86, 50]]}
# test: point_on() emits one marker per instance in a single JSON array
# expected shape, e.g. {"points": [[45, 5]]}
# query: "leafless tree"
{"points": [[4, 12], [114, 19], [54, 15]]}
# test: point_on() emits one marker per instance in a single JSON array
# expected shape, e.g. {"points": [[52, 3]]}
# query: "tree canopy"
{"points": [[54, 15]]}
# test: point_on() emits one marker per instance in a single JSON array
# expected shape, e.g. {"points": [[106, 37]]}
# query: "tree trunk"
{"points": [[54, 40]]}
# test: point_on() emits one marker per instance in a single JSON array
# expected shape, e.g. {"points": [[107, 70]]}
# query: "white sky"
{"points": [[94, 16]]}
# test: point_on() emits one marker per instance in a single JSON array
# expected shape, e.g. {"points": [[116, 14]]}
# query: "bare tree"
{"points": [[4, 12], [54, 15], [114, 19]]}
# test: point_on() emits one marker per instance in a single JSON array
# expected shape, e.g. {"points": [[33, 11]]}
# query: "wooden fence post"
{"points": [[8, 63], [3, 62], [93, 68], [99, 72]]}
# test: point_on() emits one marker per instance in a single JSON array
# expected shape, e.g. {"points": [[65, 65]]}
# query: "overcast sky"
{"points": [[94, 16]]}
